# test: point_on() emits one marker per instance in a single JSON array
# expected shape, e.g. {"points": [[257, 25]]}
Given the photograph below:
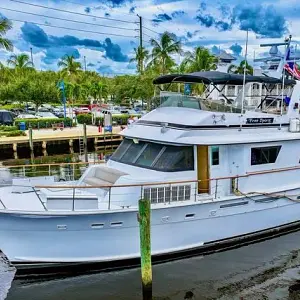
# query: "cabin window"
{"points": [[264, 155], [155, 156], [176, 159], [122, 149], [149, 154], [131, 154], [215, 156]]}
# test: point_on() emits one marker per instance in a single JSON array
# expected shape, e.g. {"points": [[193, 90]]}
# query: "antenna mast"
{"points": [[244, 80], [287, 43]]}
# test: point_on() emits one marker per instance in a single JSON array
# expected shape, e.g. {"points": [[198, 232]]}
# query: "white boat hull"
{"points": [[80, 238]]}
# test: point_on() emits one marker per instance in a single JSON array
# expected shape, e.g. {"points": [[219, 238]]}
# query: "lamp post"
{"points": [[61, 86]]}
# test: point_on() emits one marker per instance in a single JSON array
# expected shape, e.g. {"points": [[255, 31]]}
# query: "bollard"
{"points": [[144, 218], [30, 139]]}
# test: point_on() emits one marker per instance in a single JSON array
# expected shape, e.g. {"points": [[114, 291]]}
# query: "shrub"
{"points": [[12, 133], [43, 123], [84, 119], [12, 106], [121, 119]]}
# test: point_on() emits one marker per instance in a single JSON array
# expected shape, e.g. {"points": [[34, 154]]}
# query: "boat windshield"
{"points": [[179, 100], [159, 157]]}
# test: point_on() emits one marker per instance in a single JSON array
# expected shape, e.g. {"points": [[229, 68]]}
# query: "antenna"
{"points": [[244, 79]]}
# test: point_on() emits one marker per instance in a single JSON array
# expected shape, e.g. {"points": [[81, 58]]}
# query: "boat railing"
{"points": [[62, 171], [165, 193]]}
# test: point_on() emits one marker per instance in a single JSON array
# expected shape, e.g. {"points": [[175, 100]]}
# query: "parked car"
{"points": [[132, 112], [82, 110], [43, 109], [48, 106], [27, 116], [58, 113], [6, 118], [17, 111], [111, 111], [45, 115]]}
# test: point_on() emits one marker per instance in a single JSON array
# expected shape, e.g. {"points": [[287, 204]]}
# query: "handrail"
{"points": [[129, 185], [274, 170], [51, 164], [170, 182]]}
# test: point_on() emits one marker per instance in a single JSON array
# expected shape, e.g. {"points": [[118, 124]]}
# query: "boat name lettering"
{"points": [[260, 120]]}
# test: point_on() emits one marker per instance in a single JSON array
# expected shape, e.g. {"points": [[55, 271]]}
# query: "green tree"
{"points": [[20, 62], [69, 65], [99, 90], [200, 60], [141, 54], [162, 51], [78, 91], [47, 94], [69, 91], [233, 69], [5, 25]]}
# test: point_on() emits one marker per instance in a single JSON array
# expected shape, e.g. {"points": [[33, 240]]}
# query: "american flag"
{"points": [[291, 67]]}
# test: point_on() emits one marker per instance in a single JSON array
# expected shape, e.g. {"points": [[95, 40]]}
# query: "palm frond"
{"points": [[6, 44]]}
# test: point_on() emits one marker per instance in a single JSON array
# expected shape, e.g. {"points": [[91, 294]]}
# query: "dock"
{"points": [[68, 135]]}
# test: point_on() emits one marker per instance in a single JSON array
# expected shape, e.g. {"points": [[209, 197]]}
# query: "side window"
{"points": [[264, 155], [215, 156]]}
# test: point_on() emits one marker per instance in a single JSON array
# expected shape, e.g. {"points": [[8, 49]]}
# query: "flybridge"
{"points": [[218, 82]]}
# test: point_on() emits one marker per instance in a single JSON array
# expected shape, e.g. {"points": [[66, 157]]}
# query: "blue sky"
{"points": [[106, 31]]}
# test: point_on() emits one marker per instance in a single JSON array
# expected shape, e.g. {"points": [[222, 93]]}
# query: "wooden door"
{"points": [[203, 169]]}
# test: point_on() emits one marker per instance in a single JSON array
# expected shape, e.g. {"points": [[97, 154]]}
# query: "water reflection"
{"points": [[7, 273]]}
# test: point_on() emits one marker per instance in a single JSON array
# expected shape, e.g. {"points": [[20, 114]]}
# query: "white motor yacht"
{"points": [[213, 179]]}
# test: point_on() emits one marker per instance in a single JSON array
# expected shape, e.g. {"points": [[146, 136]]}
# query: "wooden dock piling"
{"points": [[145, 247], [30, 139], [85, 143]]}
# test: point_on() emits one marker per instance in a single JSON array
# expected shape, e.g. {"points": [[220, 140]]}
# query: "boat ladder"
{"points": [[81, 145]]}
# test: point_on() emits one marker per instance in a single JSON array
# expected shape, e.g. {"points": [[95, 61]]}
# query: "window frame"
{"points": [[268, 147], [211, 156]]}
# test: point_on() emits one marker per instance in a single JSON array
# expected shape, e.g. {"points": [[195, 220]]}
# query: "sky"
{"points": [[104, 33]]}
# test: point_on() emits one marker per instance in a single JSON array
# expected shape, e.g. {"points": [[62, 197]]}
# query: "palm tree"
{"points": [[69, 64], [69, 90], [20, 62], [200, 60], [99, 90], [5, 25], [141, 54], [162, 51], [78, 91], [233, 69]]}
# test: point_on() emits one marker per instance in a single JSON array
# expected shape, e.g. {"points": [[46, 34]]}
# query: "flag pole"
{"points": [[244, 79], [294, 65]]}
